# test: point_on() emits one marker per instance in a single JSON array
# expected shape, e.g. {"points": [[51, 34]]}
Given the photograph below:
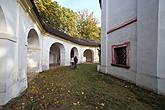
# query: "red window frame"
{"points": [[114, 58]]}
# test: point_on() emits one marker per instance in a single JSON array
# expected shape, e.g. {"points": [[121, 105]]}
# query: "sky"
{"points": [[78, 5]]}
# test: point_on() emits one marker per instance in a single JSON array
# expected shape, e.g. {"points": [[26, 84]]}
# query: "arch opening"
{"points": [[56, 55], [74, 52], [2, 21], [33, 52], [89, 57]]}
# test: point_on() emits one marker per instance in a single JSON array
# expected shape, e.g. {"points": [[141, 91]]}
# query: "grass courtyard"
{"points": [[83, 89]]}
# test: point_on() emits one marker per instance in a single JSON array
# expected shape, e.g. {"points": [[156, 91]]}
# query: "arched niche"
{"points": [[74, 52], [89, 56], [56, 55], [33, 52]]}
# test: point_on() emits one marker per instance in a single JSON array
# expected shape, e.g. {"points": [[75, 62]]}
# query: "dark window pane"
{"points": [[121, 55]]}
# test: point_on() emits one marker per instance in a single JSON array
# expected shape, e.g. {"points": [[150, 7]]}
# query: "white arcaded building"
{"points": [[27, 45], [133, 42]]}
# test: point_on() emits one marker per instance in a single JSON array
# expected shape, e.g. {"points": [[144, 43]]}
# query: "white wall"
{"points": [[127, 34], [113, 15], [126, 8], [147, 43], [104, 38], [33, 52], [161, 46], [50, 40], [146, 36], [13, 47], [8, 43]]}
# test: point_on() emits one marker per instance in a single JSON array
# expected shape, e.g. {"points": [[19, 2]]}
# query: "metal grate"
{"points": [[121, 55]]}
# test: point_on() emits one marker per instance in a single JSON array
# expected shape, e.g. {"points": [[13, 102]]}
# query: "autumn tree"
{"points": [[87, 26], [69, 20], [58, 17], [50, 12], [81, 24]]}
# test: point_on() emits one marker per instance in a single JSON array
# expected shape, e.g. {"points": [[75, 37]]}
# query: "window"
{"points": [[120, 55]]}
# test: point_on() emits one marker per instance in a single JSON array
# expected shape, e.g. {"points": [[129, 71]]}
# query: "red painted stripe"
{"points": [[122, 25]]}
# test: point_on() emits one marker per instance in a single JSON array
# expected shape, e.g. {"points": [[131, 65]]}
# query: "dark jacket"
{"points": [[75, 59]]}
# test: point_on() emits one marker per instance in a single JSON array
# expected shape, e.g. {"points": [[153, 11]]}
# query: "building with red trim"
{"points": [[132, 43]]}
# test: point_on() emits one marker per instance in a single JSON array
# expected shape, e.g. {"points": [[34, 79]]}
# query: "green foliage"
{"points": [[69, 22], [81, 25], [87, 26]]}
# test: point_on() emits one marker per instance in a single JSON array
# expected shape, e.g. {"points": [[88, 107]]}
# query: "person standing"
{"points": [[75, 62], [72, 62]]}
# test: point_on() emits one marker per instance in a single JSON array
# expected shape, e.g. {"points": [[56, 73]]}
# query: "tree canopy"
{"points": [[87, 26], [77, 24]]}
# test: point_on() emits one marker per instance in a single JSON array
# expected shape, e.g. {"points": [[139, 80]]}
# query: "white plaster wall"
{"points": [[146, 37], [9, 85], [161, 46], [94, 51], [126, 34], [33, 52], [104, 38], [113, 15], [10, 21], [147, 29], [49, 40], [7, 64], [2, 21], [120, 11], [13, 47]]}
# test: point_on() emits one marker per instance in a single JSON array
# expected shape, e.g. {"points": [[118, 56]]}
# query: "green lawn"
{"points": [[83, 89]]}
